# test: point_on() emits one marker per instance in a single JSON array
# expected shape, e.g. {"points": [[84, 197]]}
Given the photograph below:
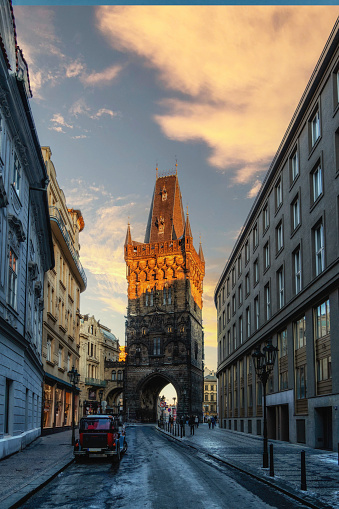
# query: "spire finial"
{"points": [[156, 170], [176, 166]]}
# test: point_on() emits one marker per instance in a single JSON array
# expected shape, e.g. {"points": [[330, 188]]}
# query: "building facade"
{"points": [[63, 286], [164, 334], [210, 404], [101, 374], [281, 281], [26, 249]]}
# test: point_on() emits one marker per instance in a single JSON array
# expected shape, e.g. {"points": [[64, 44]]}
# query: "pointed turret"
{"points": [[187, 231], [201, 254], [128, 240]]}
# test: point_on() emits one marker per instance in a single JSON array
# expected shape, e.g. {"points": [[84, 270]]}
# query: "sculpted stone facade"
{"points": [[164, 319]]}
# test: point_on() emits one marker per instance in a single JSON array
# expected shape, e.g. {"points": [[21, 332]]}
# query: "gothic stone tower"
{"points": [[164, 335]]}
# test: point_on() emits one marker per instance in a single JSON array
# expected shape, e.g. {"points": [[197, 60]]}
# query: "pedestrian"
{"points": [[191, 424], [196, 421], [209, 423], [213, 422]]}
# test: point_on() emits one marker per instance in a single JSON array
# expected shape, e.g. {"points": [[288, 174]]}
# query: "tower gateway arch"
{"points": [[164, 336]]}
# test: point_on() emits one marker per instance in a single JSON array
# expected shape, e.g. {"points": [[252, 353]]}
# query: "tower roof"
{"points": [[188, 232], [201, 254], [166, 219], [128, 236]]}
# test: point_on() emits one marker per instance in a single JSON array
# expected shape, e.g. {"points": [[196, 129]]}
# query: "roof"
{"points": [[166, 219], [108, 335]]}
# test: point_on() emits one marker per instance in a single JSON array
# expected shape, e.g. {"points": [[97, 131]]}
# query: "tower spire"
{"points": [[187, 232], [128, 240], [201, 254]]}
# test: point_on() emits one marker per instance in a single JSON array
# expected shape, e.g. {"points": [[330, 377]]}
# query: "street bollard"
{"points": [[303, 486], [271, 461]]}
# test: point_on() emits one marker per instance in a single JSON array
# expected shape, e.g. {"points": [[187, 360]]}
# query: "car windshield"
{"points": [[96, 424]]}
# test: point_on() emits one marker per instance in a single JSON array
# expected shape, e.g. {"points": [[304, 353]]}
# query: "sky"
{"points": [[118, 90]]}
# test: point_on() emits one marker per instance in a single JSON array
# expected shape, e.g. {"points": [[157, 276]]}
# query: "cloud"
{"points": [[59, 119], [252, 193], [79, 137], [58, 129], [104, 77], [74, 69], [103, 111], [223, 69], [80, 107]]}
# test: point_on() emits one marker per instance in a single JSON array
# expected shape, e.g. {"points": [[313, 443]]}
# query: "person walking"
{"points": [[213, 422], [196, 421], [191, 424], [209, 423]]}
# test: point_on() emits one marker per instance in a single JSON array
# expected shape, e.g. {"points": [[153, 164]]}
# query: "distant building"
{"points": [[281, 281], [101, 374], [26, 249], [210, 404], [63, 285]]}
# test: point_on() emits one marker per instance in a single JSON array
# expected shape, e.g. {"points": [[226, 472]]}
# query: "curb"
{"points": [[314, 504], [33, 486]]}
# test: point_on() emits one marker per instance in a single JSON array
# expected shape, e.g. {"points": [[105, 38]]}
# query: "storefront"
{"points": [[57, 414]]}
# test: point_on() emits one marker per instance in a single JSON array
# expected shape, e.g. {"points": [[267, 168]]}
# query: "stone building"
{"points": [[26, 249], [63, 286], [164, 334], [281, 280], [210, 404], [101, 374]]}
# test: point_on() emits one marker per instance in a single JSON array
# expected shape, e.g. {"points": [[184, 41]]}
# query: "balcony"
{"points": [[96, 382], [60, 231]]}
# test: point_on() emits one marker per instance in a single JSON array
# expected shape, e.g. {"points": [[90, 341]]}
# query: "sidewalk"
{"points": [[244, 452], [24, 472]]}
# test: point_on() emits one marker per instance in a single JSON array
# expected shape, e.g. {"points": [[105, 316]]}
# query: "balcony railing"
{"points": [[55, 215], [95, 381]]}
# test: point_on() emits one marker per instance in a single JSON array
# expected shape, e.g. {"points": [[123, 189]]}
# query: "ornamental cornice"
{"points": [[3, 196], [16, 226]]}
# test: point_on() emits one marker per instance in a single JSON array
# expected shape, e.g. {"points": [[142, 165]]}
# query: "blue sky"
{"points": [[117, 90]]}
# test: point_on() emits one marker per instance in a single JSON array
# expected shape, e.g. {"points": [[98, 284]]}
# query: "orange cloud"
{"points": [[241, 69]]}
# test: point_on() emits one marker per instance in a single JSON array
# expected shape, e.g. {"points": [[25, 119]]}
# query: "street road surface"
{"points": [[156, 473]]}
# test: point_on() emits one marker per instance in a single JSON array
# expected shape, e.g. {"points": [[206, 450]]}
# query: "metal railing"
{"points": [[95, 381], [55, 215]]}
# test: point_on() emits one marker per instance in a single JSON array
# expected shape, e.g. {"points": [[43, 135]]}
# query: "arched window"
{"points": [[119, 374], [114, 375], [164, 295], [169, 296], [147, 298], [151, 303]]}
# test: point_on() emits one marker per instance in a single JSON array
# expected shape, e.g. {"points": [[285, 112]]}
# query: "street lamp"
{"points": [[101, 392], [74, 379], [263, 364]]}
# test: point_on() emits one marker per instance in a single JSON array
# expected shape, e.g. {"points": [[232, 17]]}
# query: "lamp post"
{"points": [[74, 379], [101, 392], [263, 364]]}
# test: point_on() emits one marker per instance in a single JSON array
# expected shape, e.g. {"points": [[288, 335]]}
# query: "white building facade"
{"points": [[26, 250]]}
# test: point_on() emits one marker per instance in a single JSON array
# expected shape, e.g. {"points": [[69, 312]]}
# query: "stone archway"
{"points": [[147, 392]]}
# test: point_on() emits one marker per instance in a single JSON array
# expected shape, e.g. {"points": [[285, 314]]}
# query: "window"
{"points": [[219, 324], [240, 295], [206, 387], [233, 277], [266, 256], [317, 183], [247, 283], [248, 322], [119, 374], [280, 277], [69, 359], [256, 312], [228, 342], [228, 286], [255, 236], [233, 304], [324, 368], [114, 375], [247, 252], [228, 312], [234, 336], [49, 350], [268, 301], [266, 217], [241, 338], [60, 357], [164, 297], [12, 279], [297, 270], [156, 346], [336, 88], [256, 271], [282, 342], [319, 249], [279, 237], [315, 128], [17, 175], [169, 296], [278, 194], [239, 266], [223, 294], [295, 212], [294, 166], [223, 319], [300, 333], [322, 320]]}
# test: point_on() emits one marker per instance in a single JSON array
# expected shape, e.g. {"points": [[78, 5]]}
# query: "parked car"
{"points": [[100, 435]]}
